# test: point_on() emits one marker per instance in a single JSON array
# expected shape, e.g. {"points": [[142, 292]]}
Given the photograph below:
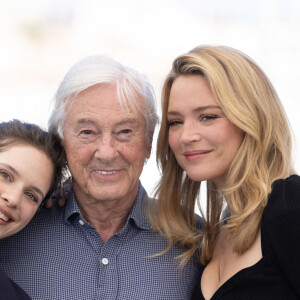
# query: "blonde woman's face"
{"points": [[202, 138]]}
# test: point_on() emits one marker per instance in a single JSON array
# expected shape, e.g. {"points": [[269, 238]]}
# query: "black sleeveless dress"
{"points": [[276, 276]]}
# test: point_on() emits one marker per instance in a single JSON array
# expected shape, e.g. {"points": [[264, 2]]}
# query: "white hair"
{"points": [[131, 86]]}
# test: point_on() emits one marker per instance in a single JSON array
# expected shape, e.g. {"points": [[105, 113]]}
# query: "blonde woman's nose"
{"points": [[190, 133]]}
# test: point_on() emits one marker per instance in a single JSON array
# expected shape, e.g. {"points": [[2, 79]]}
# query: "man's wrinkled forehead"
{"points": [[133, 106]]}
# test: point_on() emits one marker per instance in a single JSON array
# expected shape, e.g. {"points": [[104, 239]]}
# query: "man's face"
{"points": [[105, 146]]}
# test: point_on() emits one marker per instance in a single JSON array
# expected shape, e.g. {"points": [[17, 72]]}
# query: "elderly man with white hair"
{"points": [[101, 244]]}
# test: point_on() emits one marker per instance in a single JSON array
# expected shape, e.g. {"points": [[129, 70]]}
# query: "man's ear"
{"points": [[148, 148]]}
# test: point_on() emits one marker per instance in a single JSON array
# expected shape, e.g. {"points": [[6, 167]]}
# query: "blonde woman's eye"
{"points": [[5, 175], [174, 123], [208, 117]]}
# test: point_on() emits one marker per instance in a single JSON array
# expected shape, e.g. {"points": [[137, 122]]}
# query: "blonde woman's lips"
{"points": [[196, 154]]}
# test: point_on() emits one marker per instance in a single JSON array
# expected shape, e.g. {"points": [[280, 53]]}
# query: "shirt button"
{"points": [[104, 261], [81, 222]]}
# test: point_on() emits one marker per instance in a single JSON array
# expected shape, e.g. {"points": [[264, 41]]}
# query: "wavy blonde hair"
{"points": [[249, 101]]}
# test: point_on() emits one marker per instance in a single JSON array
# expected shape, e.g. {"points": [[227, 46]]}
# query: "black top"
{"points": [[277, 274], [9, 290]]}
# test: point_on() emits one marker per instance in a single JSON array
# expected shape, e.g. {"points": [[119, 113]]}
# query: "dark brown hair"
{"points": [[16, 132]]}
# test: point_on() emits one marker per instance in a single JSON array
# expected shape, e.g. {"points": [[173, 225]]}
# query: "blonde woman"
{"points": [[225, 125]]}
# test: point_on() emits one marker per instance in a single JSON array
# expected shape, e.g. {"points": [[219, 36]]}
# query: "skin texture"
{"points": [[202, 138], [105, 147], [25, 177]]}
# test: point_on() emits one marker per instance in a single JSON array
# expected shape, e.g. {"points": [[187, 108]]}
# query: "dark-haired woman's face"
{"points": [[202, 138], [25, 178]]}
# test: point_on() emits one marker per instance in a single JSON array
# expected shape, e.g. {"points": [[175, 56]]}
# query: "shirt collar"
{"points": [[71, 208], [138, 214], [140, 209]]}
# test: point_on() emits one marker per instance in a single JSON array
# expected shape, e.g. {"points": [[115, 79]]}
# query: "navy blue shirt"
{"points": [[59, 255]]}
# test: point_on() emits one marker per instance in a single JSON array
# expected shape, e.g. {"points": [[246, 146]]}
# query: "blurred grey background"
{"points": [[41, 39]]}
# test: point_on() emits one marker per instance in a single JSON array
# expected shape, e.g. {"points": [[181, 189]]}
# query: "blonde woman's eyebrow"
{"points": [[198, 109]]}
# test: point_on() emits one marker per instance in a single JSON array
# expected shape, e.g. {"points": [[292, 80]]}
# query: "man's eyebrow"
{"points": [[86, 121], [126, 121], [122, 122], [198, 109]]}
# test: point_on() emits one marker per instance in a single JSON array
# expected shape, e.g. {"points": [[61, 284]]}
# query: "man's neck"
{"points": [[107, 216]]}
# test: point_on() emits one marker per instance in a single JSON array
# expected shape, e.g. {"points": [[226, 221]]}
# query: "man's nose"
{"points": [[106, 148], [190, 133]]}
